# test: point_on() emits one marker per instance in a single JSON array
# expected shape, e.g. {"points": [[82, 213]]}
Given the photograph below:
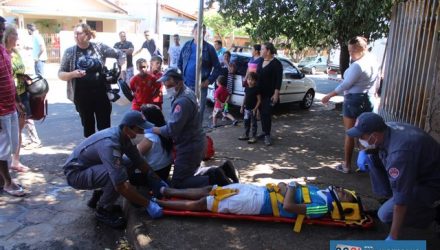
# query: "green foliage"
{"points": [[222, 26], [310, 23]]}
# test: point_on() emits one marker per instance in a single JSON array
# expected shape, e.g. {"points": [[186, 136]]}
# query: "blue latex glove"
{"points": [[149, 130], [389, 238], [154, 210]]}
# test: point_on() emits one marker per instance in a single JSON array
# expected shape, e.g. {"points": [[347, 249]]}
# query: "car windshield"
{"points": [[308, 59], [241, 63]]}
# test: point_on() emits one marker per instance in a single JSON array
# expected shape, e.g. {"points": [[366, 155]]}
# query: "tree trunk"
{"points": [[344, 58]]}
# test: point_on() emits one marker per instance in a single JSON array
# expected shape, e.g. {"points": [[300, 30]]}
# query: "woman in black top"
{"points": [[270, 72], [81, 67]]}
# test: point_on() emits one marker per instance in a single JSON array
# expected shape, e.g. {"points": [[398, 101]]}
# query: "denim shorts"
{"points": [[356, 104]]}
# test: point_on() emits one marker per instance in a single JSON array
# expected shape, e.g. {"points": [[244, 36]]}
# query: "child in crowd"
{"points": [[221, 97], [143, 85], [156, 72], [251, 102]]}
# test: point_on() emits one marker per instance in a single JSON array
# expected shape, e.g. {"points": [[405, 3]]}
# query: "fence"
{"points": [[52, 42], [411, 66]]}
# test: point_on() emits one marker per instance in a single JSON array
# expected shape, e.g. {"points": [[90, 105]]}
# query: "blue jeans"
{"points": [[356, 104], [39, 67], [203, 94]]}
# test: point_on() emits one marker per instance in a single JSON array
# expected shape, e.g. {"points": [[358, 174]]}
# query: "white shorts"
{"points": [[249, 200], [8, 136]]}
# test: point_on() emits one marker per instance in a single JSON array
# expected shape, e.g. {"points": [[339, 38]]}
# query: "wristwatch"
{"points": [[292, 184]]}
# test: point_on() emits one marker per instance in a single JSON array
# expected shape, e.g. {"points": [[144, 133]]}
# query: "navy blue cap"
{"points": [[367, 123], [171, 72], [135, 118]]}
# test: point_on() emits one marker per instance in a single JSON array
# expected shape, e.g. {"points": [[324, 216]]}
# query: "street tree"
{"points": [[222, 26], [311, 23]]}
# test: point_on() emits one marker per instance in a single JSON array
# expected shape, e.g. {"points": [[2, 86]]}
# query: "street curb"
{"points": [[136, 231]]}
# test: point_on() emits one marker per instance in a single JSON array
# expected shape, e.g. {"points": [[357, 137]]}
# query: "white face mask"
{"points": [[136, 140], [171, 91], [365, 143]]}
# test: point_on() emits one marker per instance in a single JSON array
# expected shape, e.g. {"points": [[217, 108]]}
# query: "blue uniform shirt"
{"points": [[185, 129], [105, 147], [412, 161]]}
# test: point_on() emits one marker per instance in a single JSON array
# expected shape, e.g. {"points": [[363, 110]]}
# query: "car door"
{"points": [[293, 86]]}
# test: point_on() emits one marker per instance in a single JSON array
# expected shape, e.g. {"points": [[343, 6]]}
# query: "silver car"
{"points": [[294, 88], [313, 64]]}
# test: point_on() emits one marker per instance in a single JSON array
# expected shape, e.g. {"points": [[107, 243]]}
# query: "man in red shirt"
{"points": [[8, 119], [144, 86], [156, 72]]}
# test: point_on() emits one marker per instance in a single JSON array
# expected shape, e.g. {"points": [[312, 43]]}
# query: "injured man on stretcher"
{"points": [[247, 199]]}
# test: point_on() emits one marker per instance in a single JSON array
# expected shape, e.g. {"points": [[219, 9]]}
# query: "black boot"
{"points": [[218, 176], [230, 171], [110, 218], [95, 198]]}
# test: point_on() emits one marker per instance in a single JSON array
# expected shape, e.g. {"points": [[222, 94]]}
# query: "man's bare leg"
{"points": [[190, 205], [187, 193]]}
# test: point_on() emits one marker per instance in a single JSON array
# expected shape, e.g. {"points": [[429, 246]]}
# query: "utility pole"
{"points": [[199, 50]]}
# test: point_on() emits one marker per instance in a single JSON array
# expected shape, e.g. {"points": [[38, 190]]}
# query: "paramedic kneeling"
{"points": [[96, 163], [409, 173]]}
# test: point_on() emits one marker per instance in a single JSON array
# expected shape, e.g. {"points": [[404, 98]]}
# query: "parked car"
{"points": [[295, 86], [333, 62], [313, 64]]}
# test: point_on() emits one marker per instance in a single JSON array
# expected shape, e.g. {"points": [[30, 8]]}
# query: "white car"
{"points": [[294, 88]]}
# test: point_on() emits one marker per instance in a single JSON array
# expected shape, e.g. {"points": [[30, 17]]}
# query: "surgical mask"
{"points": [[365, 143], [137, 139], [171, 91]]}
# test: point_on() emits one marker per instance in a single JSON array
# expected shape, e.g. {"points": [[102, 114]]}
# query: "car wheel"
{"points": [[307, 101], [313, 71]]}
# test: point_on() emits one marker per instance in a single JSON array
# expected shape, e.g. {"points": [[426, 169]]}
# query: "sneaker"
{"points": [[95, 198], [243, 137], [234, 123], [267, 140], [33, 145], [110, 218], [252, 140], [230, 171], [261, 136]]}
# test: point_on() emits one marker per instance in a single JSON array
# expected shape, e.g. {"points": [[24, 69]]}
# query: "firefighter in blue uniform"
{"points": [[96, 164], [185, 129], [408, 171]]}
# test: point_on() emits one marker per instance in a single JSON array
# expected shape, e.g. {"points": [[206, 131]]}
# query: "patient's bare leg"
{"points": [[187, 193], [191, 205]]}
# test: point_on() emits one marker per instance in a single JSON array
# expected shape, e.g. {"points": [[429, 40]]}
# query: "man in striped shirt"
{"points": [[251, 199], [8, 119]]}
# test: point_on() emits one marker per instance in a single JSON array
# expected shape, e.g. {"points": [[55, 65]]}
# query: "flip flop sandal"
{"points": [[341, 169], [16, 193]]}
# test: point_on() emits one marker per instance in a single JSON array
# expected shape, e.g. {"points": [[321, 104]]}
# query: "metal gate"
{"points": [[52, 42], [411, 65]]}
